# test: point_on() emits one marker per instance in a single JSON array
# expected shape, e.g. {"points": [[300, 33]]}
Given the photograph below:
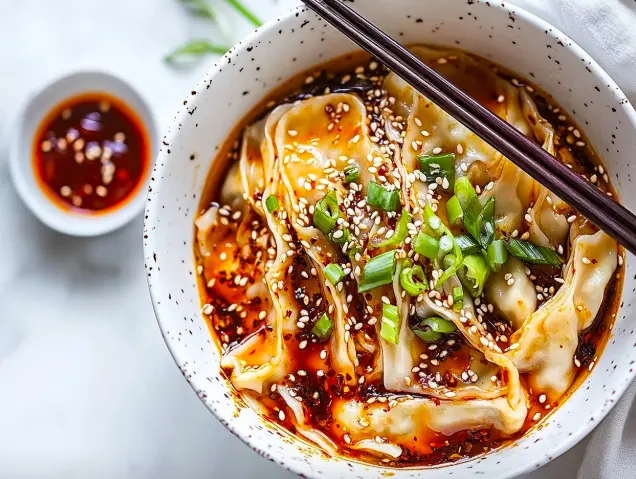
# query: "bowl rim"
{"points": [[579, 432], [67, 221]]}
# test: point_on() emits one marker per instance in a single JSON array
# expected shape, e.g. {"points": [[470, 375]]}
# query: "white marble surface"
{"points": [[87, 387]]}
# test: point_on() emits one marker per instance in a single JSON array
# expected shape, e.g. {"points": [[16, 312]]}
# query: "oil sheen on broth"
{"points": [[385, 285]]}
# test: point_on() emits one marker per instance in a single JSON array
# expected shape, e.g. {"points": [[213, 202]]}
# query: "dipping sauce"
{"points": [[90, 153]]}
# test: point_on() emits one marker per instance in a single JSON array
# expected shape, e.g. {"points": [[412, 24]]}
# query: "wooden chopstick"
{"points": [[613, 218]]}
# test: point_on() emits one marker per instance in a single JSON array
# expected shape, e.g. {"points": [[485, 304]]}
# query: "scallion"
{"points": [[446, 243], [195, 48], [473, 274], [435, 224], [454, 211], [401, 230], [532, 253], [377, 272], [433, 221], [243, 10], [438, 166], [412, 279], [458, 298], [467, 244], [334, 273], [323, 327], [383, 198], [465, 192], [271, 203], [426, 245], [327, 212], [432, 329], [497, 254], [351, 172], [390, 326], [481, 225]]}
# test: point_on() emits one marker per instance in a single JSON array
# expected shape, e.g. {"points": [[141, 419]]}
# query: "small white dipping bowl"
{"points": [[21, 155], [299, 41]]}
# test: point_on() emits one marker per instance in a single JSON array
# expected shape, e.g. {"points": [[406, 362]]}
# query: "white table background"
{"points": [[87, 387]]}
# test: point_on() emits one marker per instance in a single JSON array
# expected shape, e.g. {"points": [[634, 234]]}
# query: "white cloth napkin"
{"points": [[606, 29]]}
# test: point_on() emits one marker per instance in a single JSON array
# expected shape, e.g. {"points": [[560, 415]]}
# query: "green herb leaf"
{"points": [[201, 8], [247, 13], [195, 48]]}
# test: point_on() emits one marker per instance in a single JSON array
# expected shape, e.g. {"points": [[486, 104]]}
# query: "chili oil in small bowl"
{"points": [[82, 153]]}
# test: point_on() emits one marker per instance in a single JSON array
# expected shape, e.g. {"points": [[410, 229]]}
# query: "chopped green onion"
{"points": [[401, 230], [327, 212], [433, 221], [390, 328], [532, 253], [446, 243], [432, 329], [323, 327], [351, 172], [377, 272], [440, 325], [474, 273], [458, 298], [426, 245], [438, 166], [487, 223], [413, 279], [271, 203], [454, 211], [341, 240], [497, 254], [334, 273], [481, 225], [467, 244], [465, 192], [383, 198]]}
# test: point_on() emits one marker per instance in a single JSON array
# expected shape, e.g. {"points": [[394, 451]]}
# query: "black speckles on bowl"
{"points": [[294, 43]]}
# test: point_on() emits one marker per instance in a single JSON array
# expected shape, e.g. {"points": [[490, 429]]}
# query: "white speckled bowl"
{"points": [[296, 42]]}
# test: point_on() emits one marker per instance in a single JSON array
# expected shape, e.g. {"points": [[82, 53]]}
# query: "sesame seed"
{"points": [[536, 417], [500, 99], [437, 150], [585, 260], [542, 398], [281, 415]]}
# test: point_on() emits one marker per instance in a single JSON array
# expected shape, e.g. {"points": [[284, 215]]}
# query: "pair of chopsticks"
{"points": [[613, 218]]}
